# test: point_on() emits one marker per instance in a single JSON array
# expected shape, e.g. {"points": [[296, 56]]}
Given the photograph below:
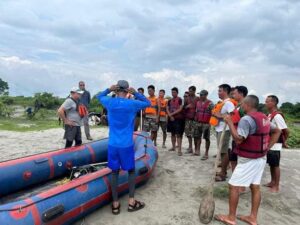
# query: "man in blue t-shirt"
{"points": [[121, 116]]}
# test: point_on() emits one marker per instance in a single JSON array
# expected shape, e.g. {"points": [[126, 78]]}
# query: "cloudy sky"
{"points": [[51, 45]]}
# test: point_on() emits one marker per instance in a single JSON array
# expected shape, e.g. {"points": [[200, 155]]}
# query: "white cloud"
{"points": [[51, 46]]}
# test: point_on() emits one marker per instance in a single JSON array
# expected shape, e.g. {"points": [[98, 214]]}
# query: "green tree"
{"points": [[3, 87], [45, 100], [287, 107]]}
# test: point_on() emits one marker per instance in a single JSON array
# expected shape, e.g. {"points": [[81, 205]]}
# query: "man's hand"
{"points": [[131, 90], [114, 87], [69, 122], [228, 119], [172, 118]]}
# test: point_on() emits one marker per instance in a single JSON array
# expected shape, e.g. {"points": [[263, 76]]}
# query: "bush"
{"points": [[5, 111], [7, 100], [46, 100]]}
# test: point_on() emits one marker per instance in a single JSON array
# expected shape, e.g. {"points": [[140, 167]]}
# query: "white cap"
{"points": [[76, 90]]}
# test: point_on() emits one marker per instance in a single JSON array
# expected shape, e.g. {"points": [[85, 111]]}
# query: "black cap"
{"points": [[203, 93]]}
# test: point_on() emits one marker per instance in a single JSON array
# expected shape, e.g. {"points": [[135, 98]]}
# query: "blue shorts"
{"points": [[121, 157]]}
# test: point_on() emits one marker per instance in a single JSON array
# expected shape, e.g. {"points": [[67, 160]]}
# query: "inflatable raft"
{"points": [[60, 187]]}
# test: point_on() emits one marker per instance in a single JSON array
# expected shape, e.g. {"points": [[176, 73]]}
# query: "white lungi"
{"points": [[247, 172]]}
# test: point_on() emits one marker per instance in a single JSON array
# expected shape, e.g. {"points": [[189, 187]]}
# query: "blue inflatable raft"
{"points": [[60, 187]]}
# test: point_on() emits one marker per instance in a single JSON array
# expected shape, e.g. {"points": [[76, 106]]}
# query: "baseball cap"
{"points": [[123, 84], [76, 90], [203, 92]]}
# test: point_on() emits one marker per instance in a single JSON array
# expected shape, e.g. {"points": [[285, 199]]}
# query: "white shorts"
{"points": [[247, 172]]}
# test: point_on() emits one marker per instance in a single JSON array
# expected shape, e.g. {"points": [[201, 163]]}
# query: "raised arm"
{"points": [[142, 102]]}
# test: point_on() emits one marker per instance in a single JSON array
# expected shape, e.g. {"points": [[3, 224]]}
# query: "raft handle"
{"points": [[53, 213], [38, 161]]}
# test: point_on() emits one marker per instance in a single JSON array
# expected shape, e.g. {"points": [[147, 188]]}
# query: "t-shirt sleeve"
{"points": [[279, 121], [68, 104], [229, 107], [243, 127]]}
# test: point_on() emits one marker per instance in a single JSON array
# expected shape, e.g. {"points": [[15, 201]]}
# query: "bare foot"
{"points": [[270, 184], [171, 149], [274, 189], [225, 219], [248, 219]]}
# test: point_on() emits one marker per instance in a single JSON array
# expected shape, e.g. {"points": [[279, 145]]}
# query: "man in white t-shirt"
{"points": [[227, 108], [273, 157]]}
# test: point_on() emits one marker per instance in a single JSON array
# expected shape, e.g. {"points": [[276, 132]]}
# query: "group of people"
{"points": [[250, 138]]}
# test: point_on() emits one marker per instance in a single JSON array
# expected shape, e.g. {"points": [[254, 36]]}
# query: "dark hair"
{"points": [[253, 101], [151, 87], [162, 90], [141, 89], [242, 90], [226, 88], [274, 99], [186, 92], [193, 88], [175, 89]]}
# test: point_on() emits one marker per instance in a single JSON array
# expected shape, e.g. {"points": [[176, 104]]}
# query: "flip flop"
{"points": [[242, 218], [222, 219], [220, 179]]}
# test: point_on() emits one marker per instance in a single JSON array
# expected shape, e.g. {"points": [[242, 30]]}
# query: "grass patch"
{"points": [[23, 124], [221, 191]]}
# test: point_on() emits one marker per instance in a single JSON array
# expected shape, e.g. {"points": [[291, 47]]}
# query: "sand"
{"points": [[173, 194]]}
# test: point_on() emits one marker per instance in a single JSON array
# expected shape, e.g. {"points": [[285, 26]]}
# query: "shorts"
{"points": [[189, 128], [247, 173], [121, 158], [72, 133], [163, 126], [201, 129], [231, 153], [150, 124], [225, 146], [273, 158], [176, 127]]}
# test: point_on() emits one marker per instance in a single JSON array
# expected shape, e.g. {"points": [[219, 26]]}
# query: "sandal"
{"points": [[115, 210], [137, 206]]}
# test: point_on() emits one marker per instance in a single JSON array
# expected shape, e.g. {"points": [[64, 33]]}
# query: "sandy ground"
{"points": [[173, 194]]}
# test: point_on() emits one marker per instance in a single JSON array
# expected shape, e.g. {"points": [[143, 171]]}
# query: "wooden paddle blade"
{"points": [[207, 209]]}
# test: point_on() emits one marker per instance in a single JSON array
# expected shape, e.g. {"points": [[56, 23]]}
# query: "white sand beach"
{"points": [[173, 194]]}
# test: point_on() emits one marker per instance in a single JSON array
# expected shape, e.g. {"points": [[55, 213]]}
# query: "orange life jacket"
{"points": [[163, 107], [152, 110], [214, 121], [82, 110]]}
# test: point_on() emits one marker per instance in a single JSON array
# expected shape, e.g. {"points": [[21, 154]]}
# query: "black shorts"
{"points": [[231, 153], [176, 127], [273, 158]]}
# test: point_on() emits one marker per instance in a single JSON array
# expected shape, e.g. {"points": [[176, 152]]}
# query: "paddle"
{"points": [[207, 205]]}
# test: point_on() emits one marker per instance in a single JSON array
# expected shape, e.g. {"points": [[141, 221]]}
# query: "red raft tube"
{"points": [[75, 192]]}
